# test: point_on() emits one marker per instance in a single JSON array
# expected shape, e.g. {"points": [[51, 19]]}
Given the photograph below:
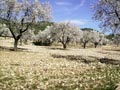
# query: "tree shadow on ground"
{"points": [[110, 53], [118, 50], [87, 59], [58, 49], [109, 61], [74, 58], [3, 48]]}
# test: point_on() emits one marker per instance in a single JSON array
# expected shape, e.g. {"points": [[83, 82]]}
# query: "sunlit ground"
{"points": [[51, 68]]}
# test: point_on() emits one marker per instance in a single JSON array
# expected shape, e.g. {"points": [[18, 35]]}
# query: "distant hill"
{"points": [[89, 29], [110, 36], [41, 26]]}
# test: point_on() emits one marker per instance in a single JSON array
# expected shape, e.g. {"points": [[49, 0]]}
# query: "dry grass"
{"points": [[49, 68]]}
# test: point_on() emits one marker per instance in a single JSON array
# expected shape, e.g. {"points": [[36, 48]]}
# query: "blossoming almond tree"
{"points": [[64, 32], [87, 36], [108, 12], [19, 16], [116, 39], [97, 37], [44, 37], [1, 29], [28, 35]]}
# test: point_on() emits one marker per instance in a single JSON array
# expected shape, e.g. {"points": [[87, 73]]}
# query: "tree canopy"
{"points": [[108, 13], [20, 16]]}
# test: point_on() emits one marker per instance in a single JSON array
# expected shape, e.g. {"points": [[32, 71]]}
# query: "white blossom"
{"points": [[19, 16], [65, 32]]}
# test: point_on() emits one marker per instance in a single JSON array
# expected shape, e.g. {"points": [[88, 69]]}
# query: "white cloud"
{"points": [[82, 3], [79, 5], [72, 8], [63, 3], [76, 22]]}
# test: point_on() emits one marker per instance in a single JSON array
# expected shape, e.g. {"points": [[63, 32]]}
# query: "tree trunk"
{"points": [[64, 46], [84, 45], [95, 45], [21, 41], [15, 44]]}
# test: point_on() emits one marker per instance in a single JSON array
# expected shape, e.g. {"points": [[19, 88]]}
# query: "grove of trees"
{"points": [[66, 33], [108, 13], [25, 20]]}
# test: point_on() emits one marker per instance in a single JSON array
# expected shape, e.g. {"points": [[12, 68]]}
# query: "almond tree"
{"points": [[64, 32], [6, 32], [28, 35], [97, 37], [44, 37], [1, 29], [116, 39], [108, 12], [87, 36], [19, 16], [105, 41]]}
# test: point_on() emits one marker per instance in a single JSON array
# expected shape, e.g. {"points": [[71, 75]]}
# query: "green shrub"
{"points": [[42, 43]]}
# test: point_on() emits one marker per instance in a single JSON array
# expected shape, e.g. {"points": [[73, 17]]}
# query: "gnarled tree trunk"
{"points": [[15, 44], [84, 45], [21, 41], [95, 44], [64, 46], [16, 41]]}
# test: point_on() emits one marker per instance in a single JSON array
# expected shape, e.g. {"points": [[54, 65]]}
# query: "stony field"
{"points": [[52, 68]]}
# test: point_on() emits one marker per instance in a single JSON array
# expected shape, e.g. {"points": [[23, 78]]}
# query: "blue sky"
{"points": [[79, 12], [76, 11]]}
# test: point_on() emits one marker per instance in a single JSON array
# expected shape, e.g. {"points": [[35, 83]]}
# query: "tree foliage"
{"points": [[87, 36], [19, 16], [44, 38], [40, 26], [97, 37], [108, 13], [63, 32], [4, 31]]}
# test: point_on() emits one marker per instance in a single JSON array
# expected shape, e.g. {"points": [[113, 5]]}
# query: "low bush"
{"points": [[42, 43]]}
